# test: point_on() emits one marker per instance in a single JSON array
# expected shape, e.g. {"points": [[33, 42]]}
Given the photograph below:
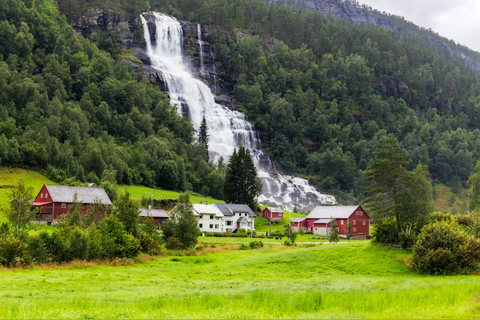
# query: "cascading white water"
{"points": [[200, 44], [228, 129]]}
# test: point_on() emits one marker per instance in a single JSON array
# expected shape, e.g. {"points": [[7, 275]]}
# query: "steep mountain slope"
{"points": [[351, 11]]}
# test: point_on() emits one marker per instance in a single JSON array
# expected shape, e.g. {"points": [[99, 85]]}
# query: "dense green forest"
{"points": [[322, 97], [69, 109], [325, 95]]}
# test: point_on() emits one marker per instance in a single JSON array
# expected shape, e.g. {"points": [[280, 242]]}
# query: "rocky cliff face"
{"points": [[129, 32], [341, 10]]}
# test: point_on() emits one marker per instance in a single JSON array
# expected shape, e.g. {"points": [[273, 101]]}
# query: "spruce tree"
{"points": [[203, 137], [387, 175], [242, 184]]}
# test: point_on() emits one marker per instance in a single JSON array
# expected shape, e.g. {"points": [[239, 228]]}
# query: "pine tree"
{"points": [[386, 175], [242, 184], [203, 137]]}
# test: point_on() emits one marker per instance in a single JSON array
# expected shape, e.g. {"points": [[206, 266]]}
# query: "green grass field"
{"points": [[356, 280]]}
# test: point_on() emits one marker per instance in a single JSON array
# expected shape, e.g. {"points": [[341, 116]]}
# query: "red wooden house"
{"points": [[319, 221], [272, 213], [55, 200]]}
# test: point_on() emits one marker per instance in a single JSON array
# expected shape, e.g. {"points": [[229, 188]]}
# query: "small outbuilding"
{"points": [[272, 213], [157, 214]]}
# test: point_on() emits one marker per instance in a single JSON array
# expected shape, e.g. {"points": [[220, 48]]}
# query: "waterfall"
{"points": [[228, 129], [200, 44]]}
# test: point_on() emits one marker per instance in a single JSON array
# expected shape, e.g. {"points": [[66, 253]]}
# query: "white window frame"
{"points": [[354, 222], [64, 205], [41, 195]]}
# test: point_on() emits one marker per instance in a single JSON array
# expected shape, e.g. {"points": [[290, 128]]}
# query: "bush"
{"points": [[13, 252], [444, 248], [148, 244], [256, 244], [277, 233], [441, 217], [38, 250], [407, 240], [78, 245], [55, 245], [242, 231], [288, 242], [385, 231], [244, 246]]}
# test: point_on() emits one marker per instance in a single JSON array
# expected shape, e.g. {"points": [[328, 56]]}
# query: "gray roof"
{"points": [[339, 212], [86, 195], [223, 208], [275, 209], [155, 213], [229, 209], [297, 219], [323, 220]]}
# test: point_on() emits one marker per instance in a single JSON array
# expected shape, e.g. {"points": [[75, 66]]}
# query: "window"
{"points": [[363, 222], [46, 195], [354, 222], [354, 229], [41, 195], [341, 222], [229, 223], [64, 205], [200, 225], [211, 226], [216, 226], [211, 217], [359, 213], [201, 216]]}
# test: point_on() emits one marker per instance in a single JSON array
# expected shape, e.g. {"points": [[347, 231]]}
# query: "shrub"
{"points": [[277, 233], [256, 244], [55, 245], [38, 250], [441, 217], [385, 231], [288, 242], [242, 231], [78, 245], [244, 246], [444, 248], [148, 244], [13, 252], [407, 240]]}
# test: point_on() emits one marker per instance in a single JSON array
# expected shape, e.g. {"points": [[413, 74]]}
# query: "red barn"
{"points": [[319, 220], [272, 213], [55, 200]]}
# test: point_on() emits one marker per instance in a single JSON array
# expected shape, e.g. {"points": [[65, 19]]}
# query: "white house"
{"points": [[237, 216], [210, 218]]}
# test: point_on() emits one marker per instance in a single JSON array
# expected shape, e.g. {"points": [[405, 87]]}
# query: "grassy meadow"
{"points": [[355, 280]]}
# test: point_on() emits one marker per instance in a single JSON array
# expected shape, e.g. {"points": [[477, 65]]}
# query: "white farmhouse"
{"points": [[210, 218], [237, 216]]}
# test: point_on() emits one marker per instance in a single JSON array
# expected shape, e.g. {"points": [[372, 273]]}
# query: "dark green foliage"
{"points": [[38, 250], [474, 192], [128, 213], [13, 252], [385, 230], [444, 248], [181, 231], [290, 234], [242, 185], [255, 244], [78, 245], [56, 246]]}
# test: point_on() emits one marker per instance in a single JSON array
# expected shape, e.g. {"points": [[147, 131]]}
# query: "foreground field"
{"points": [[355, 280]]}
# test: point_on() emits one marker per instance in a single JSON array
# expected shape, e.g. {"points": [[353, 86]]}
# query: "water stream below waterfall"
{"points": [[228, 129]]}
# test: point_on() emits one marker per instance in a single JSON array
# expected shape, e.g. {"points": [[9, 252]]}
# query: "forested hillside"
{"points": [[71, 110], [325, 95], [322, 97]]}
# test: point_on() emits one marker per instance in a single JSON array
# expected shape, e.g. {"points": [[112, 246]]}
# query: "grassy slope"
{"points": [[9, 176], [337, 281]]}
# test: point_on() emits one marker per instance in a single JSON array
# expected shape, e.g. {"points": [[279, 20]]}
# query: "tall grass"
{"points": [[358, 280]]}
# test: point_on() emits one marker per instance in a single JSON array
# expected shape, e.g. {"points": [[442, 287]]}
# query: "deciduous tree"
{"points": [[19, 210]]}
